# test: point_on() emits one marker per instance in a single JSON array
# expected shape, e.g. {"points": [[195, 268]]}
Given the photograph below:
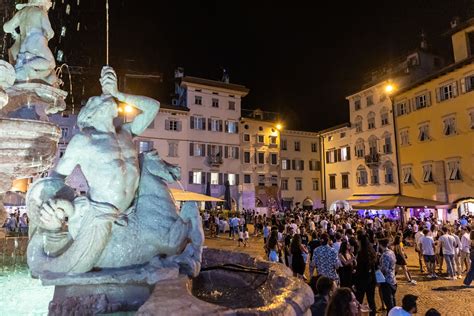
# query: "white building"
{"points": [[260, 140], [300, 169], [337, 168]]}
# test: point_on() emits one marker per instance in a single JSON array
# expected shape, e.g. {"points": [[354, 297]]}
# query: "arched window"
{"points": [[373, 146], [384, 116], [358, 124], [388, 169], [361, 175], [360, 148], [371, 120]]}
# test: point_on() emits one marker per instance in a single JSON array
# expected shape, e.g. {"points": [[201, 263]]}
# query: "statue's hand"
{"points": [[108, 81], [53, 213]]}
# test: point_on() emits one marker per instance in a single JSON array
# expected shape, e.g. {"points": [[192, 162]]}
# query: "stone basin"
{"points": [[232, 283], [27, 147]]}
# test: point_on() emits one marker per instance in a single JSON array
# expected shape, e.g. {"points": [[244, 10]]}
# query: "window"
{"points": [[144, 146], [404, 139], [454, 172], [358, 124], [330, 138], [374, 175], [387, 147], [360, 148], [427, 173], [261, 158], [215, 103], [283, 144], [274, 159], [424, 134], [342, 135], [247, 178], [246, 137], [314, 147], [467, 84], [361, 175], [357, 104], [232, 105], [260, 139], [369, 100], [314, 165], [273, 140], [407, 176], [345, 181], [388, 173], [197, 177], [232, 127], [197, 150], [232, 178], [284, 184], [285, 164], [449, 126], [198, 123], [447, 92], [421, 102], [373, 146], [246, 156], [261, 180], [315, 185], [345, 153], [172, 125], [298, 164], [402, 108], [215, 125], [332, 181], [297, 146], [215, 178], [172, 149], [384, 117], [197, 100], [274, 180], [371, 120], [299, 184]]}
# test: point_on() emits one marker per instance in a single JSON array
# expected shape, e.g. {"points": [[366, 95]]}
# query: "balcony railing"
{"points": [[372, 159], [215, 160]]}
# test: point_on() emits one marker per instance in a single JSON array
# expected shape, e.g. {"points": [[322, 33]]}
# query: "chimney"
{"points": [[455, 22], [424, 42], [225, 76]]}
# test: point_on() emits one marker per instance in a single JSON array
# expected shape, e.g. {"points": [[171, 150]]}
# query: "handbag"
{"points": [[379, 277]]}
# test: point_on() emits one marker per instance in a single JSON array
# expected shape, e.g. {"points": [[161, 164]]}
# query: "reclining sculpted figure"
{"points": [[128, 216]]}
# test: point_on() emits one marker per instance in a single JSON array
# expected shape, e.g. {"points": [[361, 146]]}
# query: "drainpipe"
{"points": [[397, 157], [323, 171]]}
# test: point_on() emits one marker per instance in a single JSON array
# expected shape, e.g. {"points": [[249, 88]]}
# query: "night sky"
{"points": [[298, 58]]}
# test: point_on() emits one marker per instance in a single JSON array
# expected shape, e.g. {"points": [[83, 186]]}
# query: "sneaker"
{"points": [[413, 282]]}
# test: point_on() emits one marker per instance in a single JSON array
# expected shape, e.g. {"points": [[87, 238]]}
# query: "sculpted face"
{"points": [[98, 111], [166, 171]]}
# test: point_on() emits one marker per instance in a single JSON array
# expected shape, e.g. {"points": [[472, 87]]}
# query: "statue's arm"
{"points": [[10, 26], [47, 29], [77, 148], [148, 107]]}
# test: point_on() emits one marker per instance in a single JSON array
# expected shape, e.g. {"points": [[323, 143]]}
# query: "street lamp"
{"points": [[279, 126]]}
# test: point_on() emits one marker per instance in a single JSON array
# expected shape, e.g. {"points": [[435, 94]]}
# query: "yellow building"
{"points": [[435, 128]]}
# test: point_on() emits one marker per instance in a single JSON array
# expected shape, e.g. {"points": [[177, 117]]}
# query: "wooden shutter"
{"points": [[226, 124], [348, 150], [191, 149], [428, 99], [203, 150], [209, 124], [167, 125], [438, 95], [221, 179], [226, 178], [463, 85], [226, 151], [203, 177], [236, 179], [455, 89], [220, 125], [237, 152], [191, 122], [237, 128], [327, 157], [209, 151], [190, 177], [293, 164], [208, 177], [179, 128], [301, 164], [221, 151]]}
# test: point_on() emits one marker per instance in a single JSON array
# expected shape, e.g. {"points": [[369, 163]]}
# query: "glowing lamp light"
{"points": [[279, 126], [128, 109], [120, 110], [389, 88]]}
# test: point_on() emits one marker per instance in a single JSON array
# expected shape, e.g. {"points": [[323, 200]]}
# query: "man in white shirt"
{"points": [[408, 307], [448, 244], [418, 235], [427, 247], [465, 249], [457, 255], [324, 224]]}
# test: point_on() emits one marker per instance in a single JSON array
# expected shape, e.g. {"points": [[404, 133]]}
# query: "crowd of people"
{"points": [[16, 223], [346, 257]]}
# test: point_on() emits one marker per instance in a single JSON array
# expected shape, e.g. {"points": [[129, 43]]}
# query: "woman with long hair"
{"points": [[343, 303], [273, 247], [364, 278], [297, 249], [348, 263], [401, 257]]}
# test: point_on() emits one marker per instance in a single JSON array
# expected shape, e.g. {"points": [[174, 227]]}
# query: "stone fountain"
{"points": [[124, 246]]}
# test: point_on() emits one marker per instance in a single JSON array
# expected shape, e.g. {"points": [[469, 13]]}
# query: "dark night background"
{"points": [[299, 58]]}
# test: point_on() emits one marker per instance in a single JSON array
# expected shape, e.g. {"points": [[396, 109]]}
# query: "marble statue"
{"points": [[128, 216], [30, 54]]}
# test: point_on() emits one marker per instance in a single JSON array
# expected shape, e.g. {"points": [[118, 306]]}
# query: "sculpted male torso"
{"points": [[107, 156]]}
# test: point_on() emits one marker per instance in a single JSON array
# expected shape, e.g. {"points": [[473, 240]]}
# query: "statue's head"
{"points": [[44, 4], [99, 111], [167, 172]]}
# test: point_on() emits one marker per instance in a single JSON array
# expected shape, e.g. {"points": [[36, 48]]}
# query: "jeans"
{"points": [[450, 265], [470, 274], [388, 294]]}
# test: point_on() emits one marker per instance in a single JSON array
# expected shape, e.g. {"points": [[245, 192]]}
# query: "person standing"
{"points": [[325, 259], [401, 257], [465, 249], [427, 248], [448, 245], [470, 274], [298, 264], [347, 259], [364, 278], [387, 267], [418, 236]]}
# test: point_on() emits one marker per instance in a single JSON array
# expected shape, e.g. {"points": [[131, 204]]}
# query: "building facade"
{"points": [[435, 128], [337, 168], [300, 169], [260, 148]]}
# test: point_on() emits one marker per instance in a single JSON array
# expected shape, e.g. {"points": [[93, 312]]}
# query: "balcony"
{"points": [[372, 159], [215, 160]]}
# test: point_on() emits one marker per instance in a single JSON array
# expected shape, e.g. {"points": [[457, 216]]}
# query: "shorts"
{"points": [[430, 258], [273, 257], [241, 239]]}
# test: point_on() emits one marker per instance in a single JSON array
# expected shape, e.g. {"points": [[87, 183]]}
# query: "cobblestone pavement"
{"points": [[447, 296]]}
